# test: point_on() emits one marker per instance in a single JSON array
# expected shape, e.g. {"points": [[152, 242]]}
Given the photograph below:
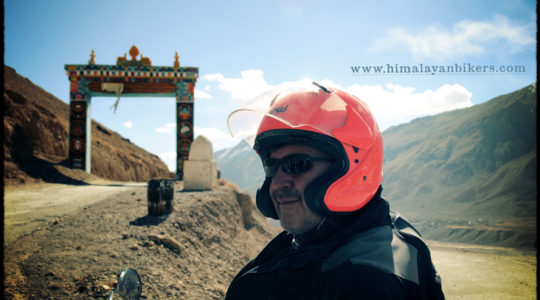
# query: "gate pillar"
{"points": [[80, 125], [184, 124]]}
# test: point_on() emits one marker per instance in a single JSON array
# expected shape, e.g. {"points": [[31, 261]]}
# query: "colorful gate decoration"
{"points": [[128, 78]]}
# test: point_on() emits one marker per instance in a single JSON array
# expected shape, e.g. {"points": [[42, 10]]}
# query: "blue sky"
{"points": [[244, 47]]}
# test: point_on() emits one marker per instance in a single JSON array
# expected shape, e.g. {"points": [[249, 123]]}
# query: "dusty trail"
{"points": [[102, 226], [192, 253], [29, 208], [485, 272]]}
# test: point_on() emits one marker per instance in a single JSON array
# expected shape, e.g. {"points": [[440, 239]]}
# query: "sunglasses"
{"points": [[296, 163]]}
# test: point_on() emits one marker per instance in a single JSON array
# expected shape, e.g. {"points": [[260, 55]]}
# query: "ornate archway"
{"points": [[128, 78]]}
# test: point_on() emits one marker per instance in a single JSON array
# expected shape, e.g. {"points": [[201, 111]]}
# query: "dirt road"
{"points": [[192, 253], [484, 272], [31, 207], [83, 243]]}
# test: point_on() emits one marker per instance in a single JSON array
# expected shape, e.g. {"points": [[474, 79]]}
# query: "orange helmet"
{"points": [[327, 119]]}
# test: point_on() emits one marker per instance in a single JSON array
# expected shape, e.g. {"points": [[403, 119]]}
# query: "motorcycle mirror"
{"points": [[129, 286]]}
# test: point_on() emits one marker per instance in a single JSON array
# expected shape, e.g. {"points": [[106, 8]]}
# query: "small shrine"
{"points": [[129, 77]]}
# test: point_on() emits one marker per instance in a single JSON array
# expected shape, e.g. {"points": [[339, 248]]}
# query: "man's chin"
{"points": [[293, 227], [297, 224], [289, 227]]}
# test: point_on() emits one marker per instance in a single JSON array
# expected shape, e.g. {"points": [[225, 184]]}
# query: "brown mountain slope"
{"points": [[467, 164], [469, 175], [35, 141]]}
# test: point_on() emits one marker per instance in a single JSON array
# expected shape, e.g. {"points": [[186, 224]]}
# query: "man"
{"points": [[322, 154]]}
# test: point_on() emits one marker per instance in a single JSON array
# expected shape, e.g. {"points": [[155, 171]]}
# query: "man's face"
{"points": [[287, 190]]}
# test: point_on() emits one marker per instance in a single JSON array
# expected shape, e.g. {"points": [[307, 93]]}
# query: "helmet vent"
{"points": [[321, 87], [355, 149], [364, 178], [356, 161]]}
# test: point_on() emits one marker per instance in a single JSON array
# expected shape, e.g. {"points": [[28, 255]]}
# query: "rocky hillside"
{"points": [[36, 134], [192, 253], [472, 163], [468, 175], [242, 165]]}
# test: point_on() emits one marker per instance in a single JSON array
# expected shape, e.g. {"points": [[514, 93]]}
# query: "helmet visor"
{"points": [[298, 105]]}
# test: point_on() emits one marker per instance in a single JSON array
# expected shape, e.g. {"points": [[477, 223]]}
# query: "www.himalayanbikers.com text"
{"points": [[426, 69]]}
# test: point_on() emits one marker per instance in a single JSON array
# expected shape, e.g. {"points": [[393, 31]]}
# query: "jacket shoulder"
{"points": [[380, 248]]}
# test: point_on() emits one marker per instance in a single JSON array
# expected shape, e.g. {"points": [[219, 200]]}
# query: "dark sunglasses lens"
{"points": [[291, 164], [296, 164], [270, 167]]}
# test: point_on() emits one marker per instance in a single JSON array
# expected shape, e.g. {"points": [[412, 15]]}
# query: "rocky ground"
{"points": [[193, 253], [74, 247]]}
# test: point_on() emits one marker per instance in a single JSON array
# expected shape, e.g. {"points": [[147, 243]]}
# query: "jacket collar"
{"points": [[374, 214]]}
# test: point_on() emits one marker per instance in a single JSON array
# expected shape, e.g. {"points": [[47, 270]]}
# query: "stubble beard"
{"points": [[294, 215]]}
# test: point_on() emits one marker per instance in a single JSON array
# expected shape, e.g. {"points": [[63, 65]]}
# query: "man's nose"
{"points": [[282, 180]]}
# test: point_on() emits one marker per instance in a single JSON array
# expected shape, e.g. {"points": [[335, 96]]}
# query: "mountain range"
{"points": [[478, 162]]}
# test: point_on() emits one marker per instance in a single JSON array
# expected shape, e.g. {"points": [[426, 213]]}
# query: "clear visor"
{"points": [[244, 122]]}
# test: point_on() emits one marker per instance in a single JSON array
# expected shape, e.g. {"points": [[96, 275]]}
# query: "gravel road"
{"points": [[29, 208], [191, 253]]}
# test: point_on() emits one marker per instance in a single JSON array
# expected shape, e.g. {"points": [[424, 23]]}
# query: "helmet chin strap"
{"points": [[321, 223], [297, 240]]}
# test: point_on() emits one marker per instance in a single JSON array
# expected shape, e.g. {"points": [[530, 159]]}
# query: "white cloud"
{"points": [[466, 38], [169, 158], [127, 124], [330, 83], [167, 128], [391, 104], [245, 88], [170, 154], [219, 138], [202, 95], [163, 130], [395, 104]]}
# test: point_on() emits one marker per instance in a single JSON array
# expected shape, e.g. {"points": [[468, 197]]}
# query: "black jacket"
{"points": [[373, 254]]}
